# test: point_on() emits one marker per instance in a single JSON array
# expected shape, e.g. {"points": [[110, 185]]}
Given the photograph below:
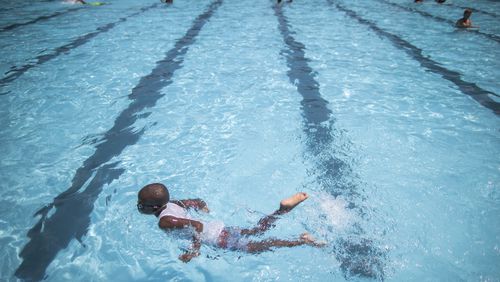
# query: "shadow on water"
{"points": [[70, 211], [358, 255]]}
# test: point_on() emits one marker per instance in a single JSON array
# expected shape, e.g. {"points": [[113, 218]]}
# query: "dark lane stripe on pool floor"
{"points": [[70, 211], [16, 72], [467, 88], [358, 256], [41, 18], [439, 19]]}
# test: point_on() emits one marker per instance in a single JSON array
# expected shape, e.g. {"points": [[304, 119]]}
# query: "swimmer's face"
{"points": [[147, 207]]}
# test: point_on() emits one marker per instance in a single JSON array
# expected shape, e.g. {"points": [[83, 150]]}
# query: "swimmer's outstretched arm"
{"points": [[193, 252], [171, 222], [197, 204]]}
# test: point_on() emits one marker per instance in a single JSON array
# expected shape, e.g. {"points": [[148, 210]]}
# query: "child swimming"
{"points": [[155, 199]]}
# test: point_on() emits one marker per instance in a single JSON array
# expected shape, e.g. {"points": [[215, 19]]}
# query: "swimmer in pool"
{"points": [[155, 199], [85, 3], [75, 1], [465, 22]]}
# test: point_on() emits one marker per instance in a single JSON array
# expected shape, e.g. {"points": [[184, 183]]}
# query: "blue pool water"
{"points": [[383, 112]]}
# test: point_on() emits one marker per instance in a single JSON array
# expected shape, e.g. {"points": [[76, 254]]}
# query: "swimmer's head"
{"points": [[152, 197], [467, 13]]}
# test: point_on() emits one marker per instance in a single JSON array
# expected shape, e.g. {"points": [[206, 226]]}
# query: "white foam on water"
{"points": [[335, 210], [327, 217]]}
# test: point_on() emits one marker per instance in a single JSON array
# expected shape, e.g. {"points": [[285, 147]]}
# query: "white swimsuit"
{"points": [[211, 230]]}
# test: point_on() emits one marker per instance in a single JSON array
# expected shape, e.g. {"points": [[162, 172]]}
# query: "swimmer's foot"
{"points": [[309, 240], [291, 202]]}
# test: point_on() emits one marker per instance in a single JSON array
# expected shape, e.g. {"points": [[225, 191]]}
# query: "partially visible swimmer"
{"points": [[84, 3], [173, 217], [465, 22], [75, 2]]}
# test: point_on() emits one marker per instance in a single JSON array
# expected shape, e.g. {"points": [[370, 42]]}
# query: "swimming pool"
{"points": [[380, 110]]}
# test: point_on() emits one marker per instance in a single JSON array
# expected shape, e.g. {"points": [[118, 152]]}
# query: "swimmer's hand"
{"points": [[188, 256], [200, 205], [196, 204], [194, 251]]}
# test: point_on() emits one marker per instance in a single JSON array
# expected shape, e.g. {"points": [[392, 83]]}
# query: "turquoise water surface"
{"points": [[382, 111]]}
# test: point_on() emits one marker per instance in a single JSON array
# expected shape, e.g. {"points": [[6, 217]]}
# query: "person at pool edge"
{"points": [[465, 22], [155, 199]]}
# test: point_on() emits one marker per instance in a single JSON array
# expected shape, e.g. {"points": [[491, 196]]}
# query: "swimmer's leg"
{"points": [[267, 222], [266, 245]]}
